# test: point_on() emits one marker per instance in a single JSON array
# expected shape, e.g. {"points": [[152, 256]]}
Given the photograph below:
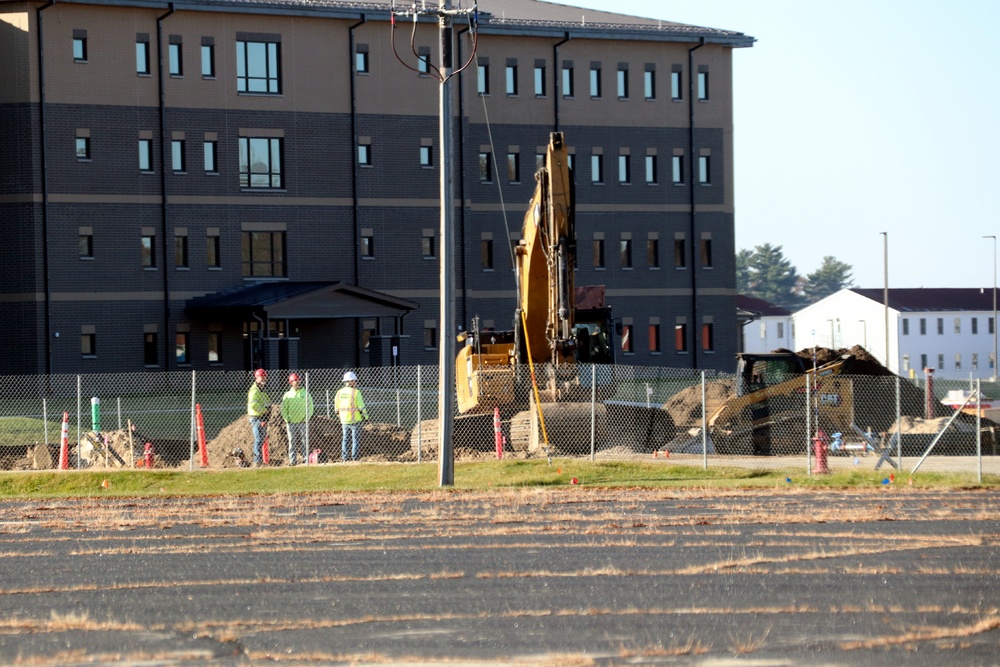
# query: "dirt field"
{"points": [[564, 576]]}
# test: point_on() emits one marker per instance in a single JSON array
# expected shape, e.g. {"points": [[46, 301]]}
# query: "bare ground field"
{"points": [[566, 576]]}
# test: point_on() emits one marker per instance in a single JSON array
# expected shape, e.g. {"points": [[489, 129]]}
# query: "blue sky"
{"points": [[855, 118]]}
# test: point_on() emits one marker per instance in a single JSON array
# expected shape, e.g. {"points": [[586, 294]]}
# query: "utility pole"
{"points": [[444, 71], [994, 364]]}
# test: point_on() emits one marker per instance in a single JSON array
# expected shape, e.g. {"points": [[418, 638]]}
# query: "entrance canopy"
{"points": [[299, 301]]}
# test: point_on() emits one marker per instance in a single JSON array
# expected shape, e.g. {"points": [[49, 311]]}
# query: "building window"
{"points": [[264, 254], [83, 148], [365, 155], [539, 80], [145, 155], [622, 83], [702, 86], [706, 253], [680, 338], [149, 251], [257, 67], [174, 57], [596, 168], [625, 253], [514, 167], [974, 323], [149, 349], [680, 254], [990, 326], [923, 361], [368, 331], [707, 337], [260, 162], [650, 170], [940, 326], [427, 247], [86, 244], [88, 344], [177, 161], [958, 361], [595, 81], [704, 172], [486, 254], [430, 337], [598, 253], [624, 169], [567, 80], [923, 330], [676, 86], [780, 329], [181, 251], [627, 343], [906, 327], [211, 157], [940, 362], [653, 253], [975, 361], [649, 84], [958, 325], [483, 80], [80, 46], [213, 255], [511, 79], [570, 161], [424, 60], [654, 338], [367, 245], [485, 167], [426, 156], [214, 347], [142, 57], [361, 59], [181, 347], [208, 61], [677, 170]]}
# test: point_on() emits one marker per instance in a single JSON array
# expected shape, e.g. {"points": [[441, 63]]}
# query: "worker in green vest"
{"points": [[297, 409], [257, 404]]}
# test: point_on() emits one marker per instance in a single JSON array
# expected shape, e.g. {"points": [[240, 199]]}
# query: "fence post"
{"points": [[308, 419], [979, 432], [809, 465], [419, 416], [899, 427], [191, 444], [79, 394], [593, 409], [45, 419], [119, 404], [704, 423]]}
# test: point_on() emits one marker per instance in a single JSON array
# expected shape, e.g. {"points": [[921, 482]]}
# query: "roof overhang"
{"points": [[299, 301]]}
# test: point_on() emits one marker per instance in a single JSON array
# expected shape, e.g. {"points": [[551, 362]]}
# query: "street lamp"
{"points": [[885, 293], [994, 360]]}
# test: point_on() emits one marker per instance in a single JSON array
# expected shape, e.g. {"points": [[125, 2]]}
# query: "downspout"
{"points": [[260, 340], [45, 189], [354, 176], [555, 76], [693, 89], [463, 269], [163, 188]]}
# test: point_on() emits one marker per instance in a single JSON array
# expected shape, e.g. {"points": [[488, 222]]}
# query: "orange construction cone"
{"points": [[64, 444]]}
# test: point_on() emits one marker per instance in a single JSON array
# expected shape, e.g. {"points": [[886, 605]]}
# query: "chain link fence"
{"points": [[602, 413]]}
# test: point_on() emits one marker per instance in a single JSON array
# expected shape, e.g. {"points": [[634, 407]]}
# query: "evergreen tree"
{"points": [[772, 277], [744, 284], [832, 276]]}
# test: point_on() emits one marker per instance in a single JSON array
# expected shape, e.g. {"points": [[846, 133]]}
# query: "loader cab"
{"points": [[759, 371]]}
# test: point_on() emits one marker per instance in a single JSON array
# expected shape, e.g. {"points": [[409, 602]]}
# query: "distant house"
{"points": [[948, 330], [766, 327]]}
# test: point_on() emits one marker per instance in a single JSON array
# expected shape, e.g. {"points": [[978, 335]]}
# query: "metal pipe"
{"points": [[692, 90], [163, 187], [45, 189], [555, 76], [354, 178], [994, 364]]}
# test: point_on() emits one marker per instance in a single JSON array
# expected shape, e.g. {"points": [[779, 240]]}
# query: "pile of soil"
{"points": [[379, 442]]}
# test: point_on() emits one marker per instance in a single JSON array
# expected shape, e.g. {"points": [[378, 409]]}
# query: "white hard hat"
{"points": [[349, 376]]}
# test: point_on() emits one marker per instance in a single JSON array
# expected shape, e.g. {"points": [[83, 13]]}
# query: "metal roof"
{"points": [[932, 299], [300, 300], [760, 306]]}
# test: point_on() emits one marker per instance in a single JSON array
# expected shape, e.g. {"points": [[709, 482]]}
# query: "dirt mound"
{"points": [[684, 407], [379, 442]]}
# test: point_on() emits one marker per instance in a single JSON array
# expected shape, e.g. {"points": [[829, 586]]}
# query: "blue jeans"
{"points": [[259, 428], [296, 441], [355, 431]]}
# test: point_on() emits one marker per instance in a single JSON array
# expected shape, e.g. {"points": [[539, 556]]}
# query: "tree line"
{"points": [[766, 273]]}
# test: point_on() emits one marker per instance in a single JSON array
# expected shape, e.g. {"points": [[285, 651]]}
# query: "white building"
{"points": [[949, 330], [769, 327]]}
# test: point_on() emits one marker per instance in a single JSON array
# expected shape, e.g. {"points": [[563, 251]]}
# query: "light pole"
{"points": [[994, 360], [885, 294]]}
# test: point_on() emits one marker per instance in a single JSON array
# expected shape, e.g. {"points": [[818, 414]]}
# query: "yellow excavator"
{"points": [[556, 323]]}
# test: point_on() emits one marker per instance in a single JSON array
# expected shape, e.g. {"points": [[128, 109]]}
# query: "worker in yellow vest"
{"points": [[258, 403], [350, 406]]}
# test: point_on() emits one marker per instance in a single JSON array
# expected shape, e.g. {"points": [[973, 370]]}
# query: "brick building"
{"points": [[225, 183]]}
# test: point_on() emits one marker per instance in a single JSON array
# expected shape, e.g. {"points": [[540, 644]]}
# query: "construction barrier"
{"points": [[200, 424], [64, 443]]}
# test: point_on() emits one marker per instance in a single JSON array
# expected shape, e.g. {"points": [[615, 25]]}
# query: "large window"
{"points": [[181, 251], [142, 56], [676, 89], [625, 253], [177, 161], [705, 169], [595, 81], [150, 349], [622, 83], [653, 253], [260, 162], [208, 57], [213, 251], [514, 167], [706, 253], [651, 176], [83, 148], [708, 337], [80, 46], [680, 337], [264, 254], [702, 86], [568, 82], [624, 169], [677, 170], [649, 84], [596, 168], [258, 67], [181, 347], [485, 167], [598, 253], [512, 79], [148, 251], [145, 155], [211, 157], [483, 79], [540, 80], [214, 347], [654, 338]]}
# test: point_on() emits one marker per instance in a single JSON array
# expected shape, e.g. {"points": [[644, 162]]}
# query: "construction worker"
{"points": [[296, 409], [258, 403], [350, 406]]}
